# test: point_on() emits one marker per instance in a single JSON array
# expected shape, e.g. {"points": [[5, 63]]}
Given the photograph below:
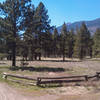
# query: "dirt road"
{"points": [[8, 93]]}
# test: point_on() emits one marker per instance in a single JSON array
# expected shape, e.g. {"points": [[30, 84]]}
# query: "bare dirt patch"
{"points": [[8, 93]]}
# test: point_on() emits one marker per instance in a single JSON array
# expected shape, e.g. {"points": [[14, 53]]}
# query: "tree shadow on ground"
{"points": [[50, 86], [2, 63], [38, 69], [58, 61], [4, 67]]}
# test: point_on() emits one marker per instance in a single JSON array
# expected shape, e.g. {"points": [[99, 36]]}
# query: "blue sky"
{"points": [[61, 11]]}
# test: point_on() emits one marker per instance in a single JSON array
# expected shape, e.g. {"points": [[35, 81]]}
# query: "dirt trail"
{"points": [[8, 93]]}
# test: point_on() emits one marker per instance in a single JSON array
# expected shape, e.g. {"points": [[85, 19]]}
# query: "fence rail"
{"points": [[5, 75], [52, 80]]}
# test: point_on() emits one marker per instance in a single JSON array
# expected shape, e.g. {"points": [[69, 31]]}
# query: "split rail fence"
{"points": [[53, 80]]}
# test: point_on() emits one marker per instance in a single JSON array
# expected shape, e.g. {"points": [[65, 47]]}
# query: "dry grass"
{"points": [[71, 67], [81, 97]]}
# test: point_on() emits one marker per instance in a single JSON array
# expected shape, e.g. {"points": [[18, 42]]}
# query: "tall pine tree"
{"points": [[71, 42], [82, 42], [96, 46], [55, 42], [64, 41], [43, 27], [13, 12]]}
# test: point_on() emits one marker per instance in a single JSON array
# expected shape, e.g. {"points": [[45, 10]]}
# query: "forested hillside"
{"points": [[91, 25]]}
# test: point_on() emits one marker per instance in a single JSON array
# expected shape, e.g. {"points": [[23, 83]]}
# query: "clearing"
{"points": [[14, 91]]}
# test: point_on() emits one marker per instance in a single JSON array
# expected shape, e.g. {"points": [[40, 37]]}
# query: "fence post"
{"points": [[97, 75], [86, 77], [4, 76], [38, 81]]}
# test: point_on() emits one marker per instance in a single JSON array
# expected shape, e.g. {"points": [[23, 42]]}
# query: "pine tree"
{"points": [[29, 24], [89, 44], [82, 42], [71, 40], [4, 35], [55, 42], [2, 39], [47, 44], [64, 41], [96, 46], [43, 27], [13, 12]]}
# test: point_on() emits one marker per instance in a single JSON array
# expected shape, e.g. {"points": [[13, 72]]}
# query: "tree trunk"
{"points": [[14, 42], [63, 57], [91, 53], [14, 54], [35, 57], [39, 56], [64, 50]]}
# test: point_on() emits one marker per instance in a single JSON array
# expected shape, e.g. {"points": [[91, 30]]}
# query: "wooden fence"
{"points": [[6, 75], [70, 79], [52, 80]]}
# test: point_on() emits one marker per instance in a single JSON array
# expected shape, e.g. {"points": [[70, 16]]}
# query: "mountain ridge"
{"points": [[91, 25]]}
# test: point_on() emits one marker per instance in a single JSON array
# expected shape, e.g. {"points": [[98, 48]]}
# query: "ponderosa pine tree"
{"points": [[29, 24], [71, 42], [47, 46], [2, 40], [96, 46], [82, 42], [64, 41], [4, 34], [55, 42], [43, 27], [89, 44], [13, 12]]}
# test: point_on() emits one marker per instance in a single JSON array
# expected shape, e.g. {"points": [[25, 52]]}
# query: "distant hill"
{"points": [[92, 25]]}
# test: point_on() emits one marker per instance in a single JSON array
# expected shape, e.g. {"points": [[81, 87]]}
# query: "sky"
{"points": [[69, 11]]}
